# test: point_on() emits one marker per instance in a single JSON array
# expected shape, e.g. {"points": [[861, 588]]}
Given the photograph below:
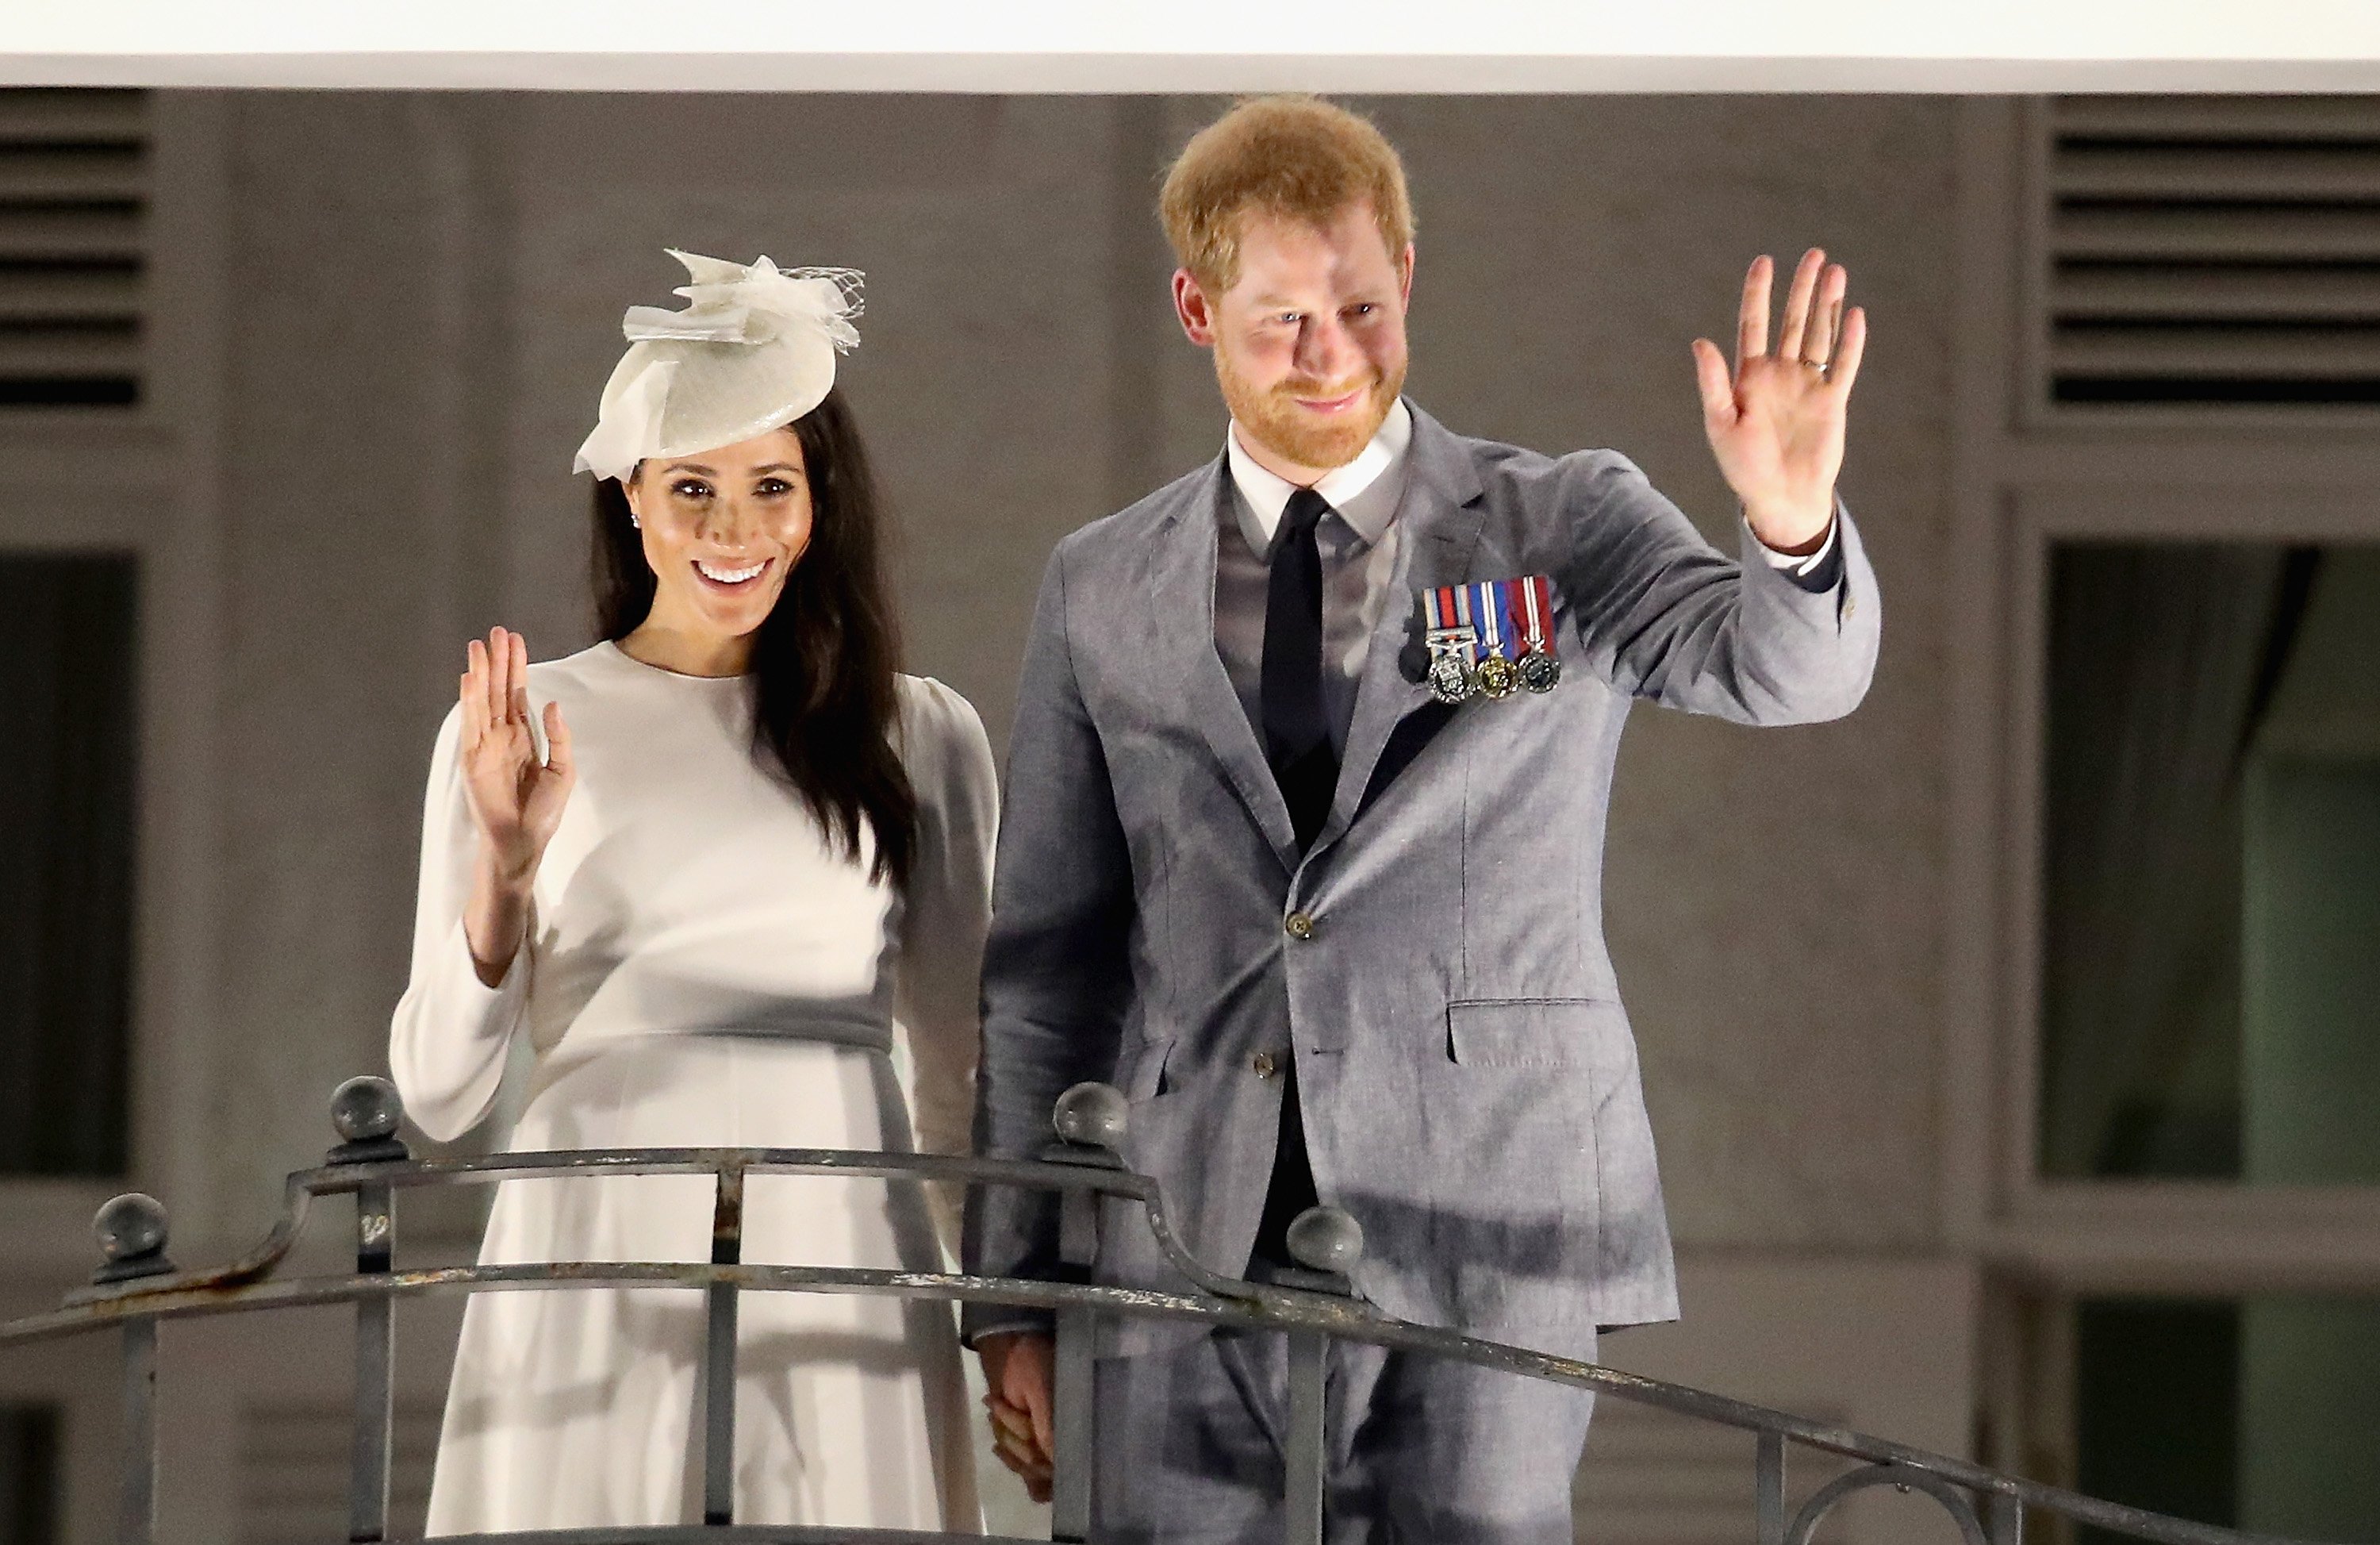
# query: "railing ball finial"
{"points": [[1092, 1115], [1326, 1239], [130, 1230], [367, 1110]]}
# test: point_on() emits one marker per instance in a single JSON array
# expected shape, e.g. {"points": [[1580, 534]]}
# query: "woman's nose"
{"points": [[731, 522]]}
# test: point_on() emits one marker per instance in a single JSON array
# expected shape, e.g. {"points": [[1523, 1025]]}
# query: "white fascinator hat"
{"points": [[754, 351]]}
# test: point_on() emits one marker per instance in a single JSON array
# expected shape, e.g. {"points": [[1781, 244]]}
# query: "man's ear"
{"points": [[1405, 276], [1192, 309]]}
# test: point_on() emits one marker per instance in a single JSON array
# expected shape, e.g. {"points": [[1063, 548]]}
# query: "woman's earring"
{"points": [[634, 524]]}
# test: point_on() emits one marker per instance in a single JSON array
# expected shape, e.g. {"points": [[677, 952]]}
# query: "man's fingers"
{"points": [[1752, 319], [1820, 344], [1798, 304], [1711, 381], [1045, 1432], [1847, 362]]}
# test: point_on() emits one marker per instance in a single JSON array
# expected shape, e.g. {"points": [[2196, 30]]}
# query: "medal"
{"points": [[1540, 672], [1450, 638], [1497, 674]]}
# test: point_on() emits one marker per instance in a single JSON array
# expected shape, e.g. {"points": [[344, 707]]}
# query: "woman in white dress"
{"points": [[745, 855]]}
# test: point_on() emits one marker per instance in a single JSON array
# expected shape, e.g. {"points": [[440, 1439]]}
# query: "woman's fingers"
{"points": [[475, 683], [519, 679], [500, 675], [557, 743]]}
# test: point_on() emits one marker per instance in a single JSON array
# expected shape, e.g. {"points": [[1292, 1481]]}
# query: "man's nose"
{"points": [[1325, 351]]}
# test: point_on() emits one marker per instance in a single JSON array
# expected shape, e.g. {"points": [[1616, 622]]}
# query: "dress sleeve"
{"points": [[448, 1039], [947, 910]]}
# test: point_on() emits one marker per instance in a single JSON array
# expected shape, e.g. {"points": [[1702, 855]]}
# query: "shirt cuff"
{"points": [[1801, 565]]}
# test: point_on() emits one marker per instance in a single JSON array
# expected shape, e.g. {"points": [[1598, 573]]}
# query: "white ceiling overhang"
{"points": [[1202, 46]]}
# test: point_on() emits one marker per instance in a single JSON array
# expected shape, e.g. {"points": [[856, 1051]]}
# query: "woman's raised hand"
{"points": [[517, 797]]}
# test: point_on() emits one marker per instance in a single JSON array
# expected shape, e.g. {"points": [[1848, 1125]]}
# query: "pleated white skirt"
{"points": [[580, 1407]]}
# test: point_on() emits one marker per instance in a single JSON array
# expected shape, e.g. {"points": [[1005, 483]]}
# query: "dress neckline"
{"points": [[611, 647]]}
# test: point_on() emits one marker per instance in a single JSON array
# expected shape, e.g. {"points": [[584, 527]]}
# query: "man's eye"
{"points": [[1289, 318], [1364, 310]]}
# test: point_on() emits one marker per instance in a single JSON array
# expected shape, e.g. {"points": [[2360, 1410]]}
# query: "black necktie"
{"points": [[1297, 733]]}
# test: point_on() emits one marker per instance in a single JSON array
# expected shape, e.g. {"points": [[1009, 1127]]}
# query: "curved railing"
{"points": [[136, 1287]]}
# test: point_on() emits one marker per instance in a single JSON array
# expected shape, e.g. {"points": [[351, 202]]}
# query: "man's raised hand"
{"points": [[1776, 422]]}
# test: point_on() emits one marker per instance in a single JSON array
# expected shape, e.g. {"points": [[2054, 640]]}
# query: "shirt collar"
{"points": [[1363, 492]]}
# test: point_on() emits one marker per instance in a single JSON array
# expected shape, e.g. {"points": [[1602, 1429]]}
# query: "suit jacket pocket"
{"points": [[1584, 1033], [1144, 1078]]}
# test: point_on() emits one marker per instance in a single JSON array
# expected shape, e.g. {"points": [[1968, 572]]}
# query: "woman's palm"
{"points": [[516, 795]]}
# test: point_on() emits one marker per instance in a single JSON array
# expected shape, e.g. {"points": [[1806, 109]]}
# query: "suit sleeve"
{"points": [[1662, 614], [1056, 971]]}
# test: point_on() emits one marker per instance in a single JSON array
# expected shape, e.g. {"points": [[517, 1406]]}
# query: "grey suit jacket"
{"points": [[1468, 1078]]}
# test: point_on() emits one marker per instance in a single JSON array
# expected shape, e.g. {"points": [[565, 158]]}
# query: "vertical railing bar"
{"points": [[368, 1459], [1768, 1489], [1073, 1379], [718, 1360], [1302, 1491], [2003, 1519], [135, 1521]]}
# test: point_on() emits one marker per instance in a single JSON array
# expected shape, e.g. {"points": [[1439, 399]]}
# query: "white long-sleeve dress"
{"points": [[704, 969]]}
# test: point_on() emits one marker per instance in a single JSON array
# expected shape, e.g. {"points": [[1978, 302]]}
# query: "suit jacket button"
{"points": [[1300, 926], [1264, 1064]]}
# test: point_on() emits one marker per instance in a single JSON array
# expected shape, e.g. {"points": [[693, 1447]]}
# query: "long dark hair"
{"points": [[823, 659]]}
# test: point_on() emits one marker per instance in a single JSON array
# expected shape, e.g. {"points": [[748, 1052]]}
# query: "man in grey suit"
{"points": [[1303, 850]]}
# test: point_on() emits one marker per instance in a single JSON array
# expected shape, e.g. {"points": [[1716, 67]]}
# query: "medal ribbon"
{"points": [[1492, 604], [1534, 616]]}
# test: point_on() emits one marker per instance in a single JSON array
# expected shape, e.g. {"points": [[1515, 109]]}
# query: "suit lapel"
{"points": [[1440, 517], [1182, 600]]}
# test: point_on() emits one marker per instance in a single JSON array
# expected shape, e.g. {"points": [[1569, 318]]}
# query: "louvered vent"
{"points": [[73, 192], [293, 1469], [1652, 1478], [2222, 251]]}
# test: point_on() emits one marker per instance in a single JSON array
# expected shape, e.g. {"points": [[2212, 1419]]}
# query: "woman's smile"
{"points": [[730, 577]]}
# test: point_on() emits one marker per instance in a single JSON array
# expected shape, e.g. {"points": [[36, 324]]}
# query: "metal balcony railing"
{"points": [[136, 1287]]}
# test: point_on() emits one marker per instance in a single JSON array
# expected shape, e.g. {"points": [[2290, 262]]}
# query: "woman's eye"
{"points": [[775, 488], [688, 488]]}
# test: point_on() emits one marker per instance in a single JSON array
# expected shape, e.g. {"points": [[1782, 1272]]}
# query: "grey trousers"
{"points": [[1418, 1451]]}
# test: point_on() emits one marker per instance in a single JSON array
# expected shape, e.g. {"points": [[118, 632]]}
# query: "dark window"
{"points": [[2261, 1413], [2211, 877], [67, 742], [28, 1476]]}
